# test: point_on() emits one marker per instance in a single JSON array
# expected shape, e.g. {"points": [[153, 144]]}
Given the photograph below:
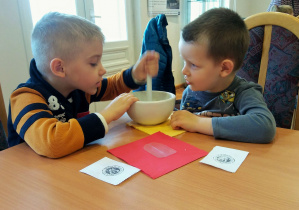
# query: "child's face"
{"points": [[85, 72], [201, 72]]}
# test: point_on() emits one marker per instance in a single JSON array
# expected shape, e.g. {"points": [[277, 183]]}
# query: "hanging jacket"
{"points": [[155, 38]]}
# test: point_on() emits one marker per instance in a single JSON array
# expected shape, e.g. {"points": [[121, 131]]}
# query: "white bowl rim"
{"points": [[149, 102]]}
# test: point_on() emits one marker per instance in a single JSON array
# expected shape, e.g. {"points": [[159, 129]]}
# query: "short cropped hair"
{"points": [[61, 35], [224, 32]]}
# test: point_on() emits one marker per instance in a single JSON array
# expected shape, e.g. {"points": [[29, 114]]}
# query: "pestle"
{"points": [[149, 88]]}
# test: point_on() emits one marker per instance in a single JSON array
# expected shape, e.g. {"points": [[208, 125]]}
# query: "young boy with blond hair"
{"points": [[50, 112], [216, 101]]}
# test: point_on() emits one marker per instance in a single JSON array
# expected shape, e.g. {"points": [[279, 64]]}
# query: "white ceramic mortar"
{"points": [[152, 112]]}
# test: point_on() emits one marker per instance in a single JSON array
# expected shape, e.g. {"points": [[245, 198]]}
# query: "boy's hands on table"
{"points": [[118, 107], [147, 64], [188, 121]]}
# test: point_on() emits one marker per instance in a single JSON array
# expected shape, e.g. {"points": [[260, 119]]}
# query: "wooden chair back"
{"points": [[268, 19]]}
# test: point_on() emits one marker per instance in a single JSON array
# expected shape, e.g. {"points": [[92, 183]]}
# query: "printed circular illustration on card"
{"points": [[224, 158], [112, 170]]}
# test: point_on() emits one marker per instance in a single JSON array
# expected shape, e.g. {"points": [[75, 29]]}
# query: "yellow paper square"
{"points": [[151, 129]]}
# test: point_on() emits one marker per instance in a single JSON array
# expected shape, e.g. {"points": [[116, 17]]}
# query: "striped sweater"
{"points": [[55, 126]]}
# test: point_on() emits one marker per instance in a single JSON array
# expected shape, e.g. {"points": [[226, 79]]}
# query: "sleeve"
{"points": [[114, 85], [34, 122], [255, 124]]}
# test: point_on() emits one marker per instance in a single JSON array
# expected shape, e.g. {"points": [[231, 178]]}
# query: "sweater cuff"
{"points": [[129, 80], [103, 121], [93, 128], [138, 82], [215, 126]]}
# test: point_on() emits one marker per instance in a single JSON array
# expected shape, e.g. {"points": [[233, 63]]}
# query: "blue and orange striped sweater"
{"points": [[55, 126]]}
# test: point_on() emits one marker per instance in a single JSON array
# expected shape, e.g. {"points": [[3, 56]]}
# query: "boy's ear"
{"points": [[227, 67], [56, 66]]}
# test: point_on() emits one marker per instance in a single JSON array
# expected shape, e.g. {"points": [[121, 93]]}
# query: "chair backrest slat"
{"points": [[265, 55]]}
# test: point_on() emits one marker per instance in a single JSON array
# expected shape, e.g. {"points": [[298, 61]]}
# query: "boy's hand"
{"points": [[190, 122], [118, 107], [147, 64]]}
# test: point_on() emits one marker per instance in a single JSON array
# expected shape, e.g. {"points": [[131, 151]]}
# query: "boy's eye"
{"points": [[93, 64]]}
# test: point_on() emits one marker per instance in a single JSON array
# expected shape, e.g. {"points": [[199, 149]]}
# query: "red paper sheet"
{"points": [[158, 154]]}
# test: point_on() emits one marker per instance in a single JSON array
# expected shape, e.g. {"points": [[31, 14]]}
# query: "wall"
{"points": [[246, 8], [14, 66]]}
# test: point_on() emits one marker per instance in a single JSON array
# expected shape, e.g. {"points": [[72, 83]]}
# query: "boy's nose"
{"points": [[102, 71], [185, 70]]}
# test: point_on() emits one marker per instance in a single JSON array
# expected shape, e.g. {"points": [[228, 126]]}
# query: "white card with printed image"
{"points": [[110, 171], [225, 158]]}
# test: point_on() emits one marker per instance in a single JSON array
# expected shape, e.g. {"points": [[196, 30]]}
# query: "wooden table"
{"points": [[267, 179]]}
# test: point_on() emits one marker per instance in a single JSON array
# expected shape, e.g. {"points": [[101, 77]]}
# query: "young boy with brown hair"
{"points": [[50, 112], [216, 101]]}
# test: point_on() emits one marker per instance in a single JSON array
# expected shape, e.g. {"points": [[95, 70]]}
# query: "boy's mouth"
{"points": [[185, 77]]}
